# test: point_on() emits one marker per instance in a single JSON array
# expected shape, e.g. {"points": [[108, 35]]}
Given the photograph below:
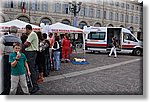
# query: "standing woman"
{"points": [[56, 50], [65, 48], [51, 41], [40, 58], [46, 56]]}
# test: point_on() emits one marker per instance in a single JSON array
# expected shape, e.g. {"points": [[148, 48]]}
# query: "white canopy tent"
{"points": [[63, 28], [18, 23]]}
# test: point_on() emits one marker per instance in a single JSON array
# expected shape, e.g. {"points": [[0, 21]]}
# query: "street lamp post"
{"points": [[75, 8]]}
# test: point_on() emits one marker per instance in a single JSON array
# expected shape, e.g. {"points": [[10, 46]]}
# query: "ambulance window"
{"points": [[97, 35], [128, 36], [102, 36]]}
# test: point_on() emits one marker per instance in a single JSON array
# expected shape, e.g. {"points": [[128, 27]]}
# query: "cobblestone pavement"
{"points": [[123, 79]]}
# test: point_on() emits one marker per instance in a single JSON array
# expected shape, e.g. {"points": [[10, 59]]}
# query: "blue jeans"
{"points": [[57, 60], [47, 65]]}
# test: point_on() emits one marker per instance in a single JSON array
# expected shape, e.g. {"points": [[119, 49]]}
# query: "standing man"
{"points": [[7, 48], [31, 48], [113, 49]]}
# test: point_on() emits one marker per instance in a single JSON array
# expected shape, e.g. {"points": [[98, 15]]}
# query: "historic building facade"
{"points": [[117, 13]]}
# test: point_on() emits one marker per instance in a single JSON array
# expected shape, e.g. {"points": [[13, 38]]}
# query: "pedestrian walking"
{"points": [[113, 49], [31, 49], [18, 63]]}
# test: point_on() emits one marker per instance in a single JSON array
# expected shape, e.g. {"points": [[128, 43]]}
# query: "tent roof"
{"points": [[63, 28], [18, 23]]}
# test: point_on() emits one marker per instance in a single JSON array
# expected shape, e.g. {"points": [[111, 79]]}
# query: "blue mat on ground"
{"points": [[80, 63]]}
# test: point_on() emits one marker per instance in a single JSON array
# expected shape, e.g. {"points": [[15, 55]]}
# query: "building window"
{"points": [[136, 20], [24, 18], [83, 11], [97, 35], [65, 9], [122, 5], [122, 18], [34, 5], [132, 7], [131, 19], [127, 6], [112, 2], [117, 4], [65, 21], [57, 7], [91, 12], [98, 14], [44, 6], [8, 4], [140, 20], [116, 16], [110, 25], [82, 24], [5, 4], [111, 16], [97, 24], [141, 9], [137, 8], [12, 4], [46, 21], [127, 18], [21, 3], [38, 6], [104, 14]]}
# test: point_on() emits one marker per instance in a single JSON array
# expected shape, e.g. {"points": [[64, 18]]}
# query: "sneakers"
{"points": [[110, 56], [67, 60]]}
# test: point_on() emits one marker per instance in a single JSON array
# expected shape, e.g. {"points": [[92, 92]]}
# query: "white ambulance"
{"points": [[100, 39]]}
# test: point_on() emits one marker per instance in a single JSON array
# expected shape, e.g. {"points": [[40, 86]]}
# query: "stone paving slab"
{"points": [[119, 80]]}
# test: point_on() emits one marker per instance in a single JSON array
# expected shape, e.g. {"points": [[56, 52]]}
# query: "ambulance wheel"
{"points": [[137, 52]]}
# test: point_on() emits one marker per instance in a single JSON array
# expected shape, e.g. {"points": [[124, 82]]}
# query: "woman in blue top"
{"points": [[18, 63]]}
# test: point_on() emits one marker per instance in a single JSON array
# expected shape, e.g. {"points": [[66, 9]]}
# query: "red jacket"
{"points": [[65, 43]]}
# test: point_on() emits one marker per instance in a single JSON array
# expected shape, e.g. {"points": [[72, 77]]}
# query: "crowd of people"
{"points": [[45, 55], [37, 55]]}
